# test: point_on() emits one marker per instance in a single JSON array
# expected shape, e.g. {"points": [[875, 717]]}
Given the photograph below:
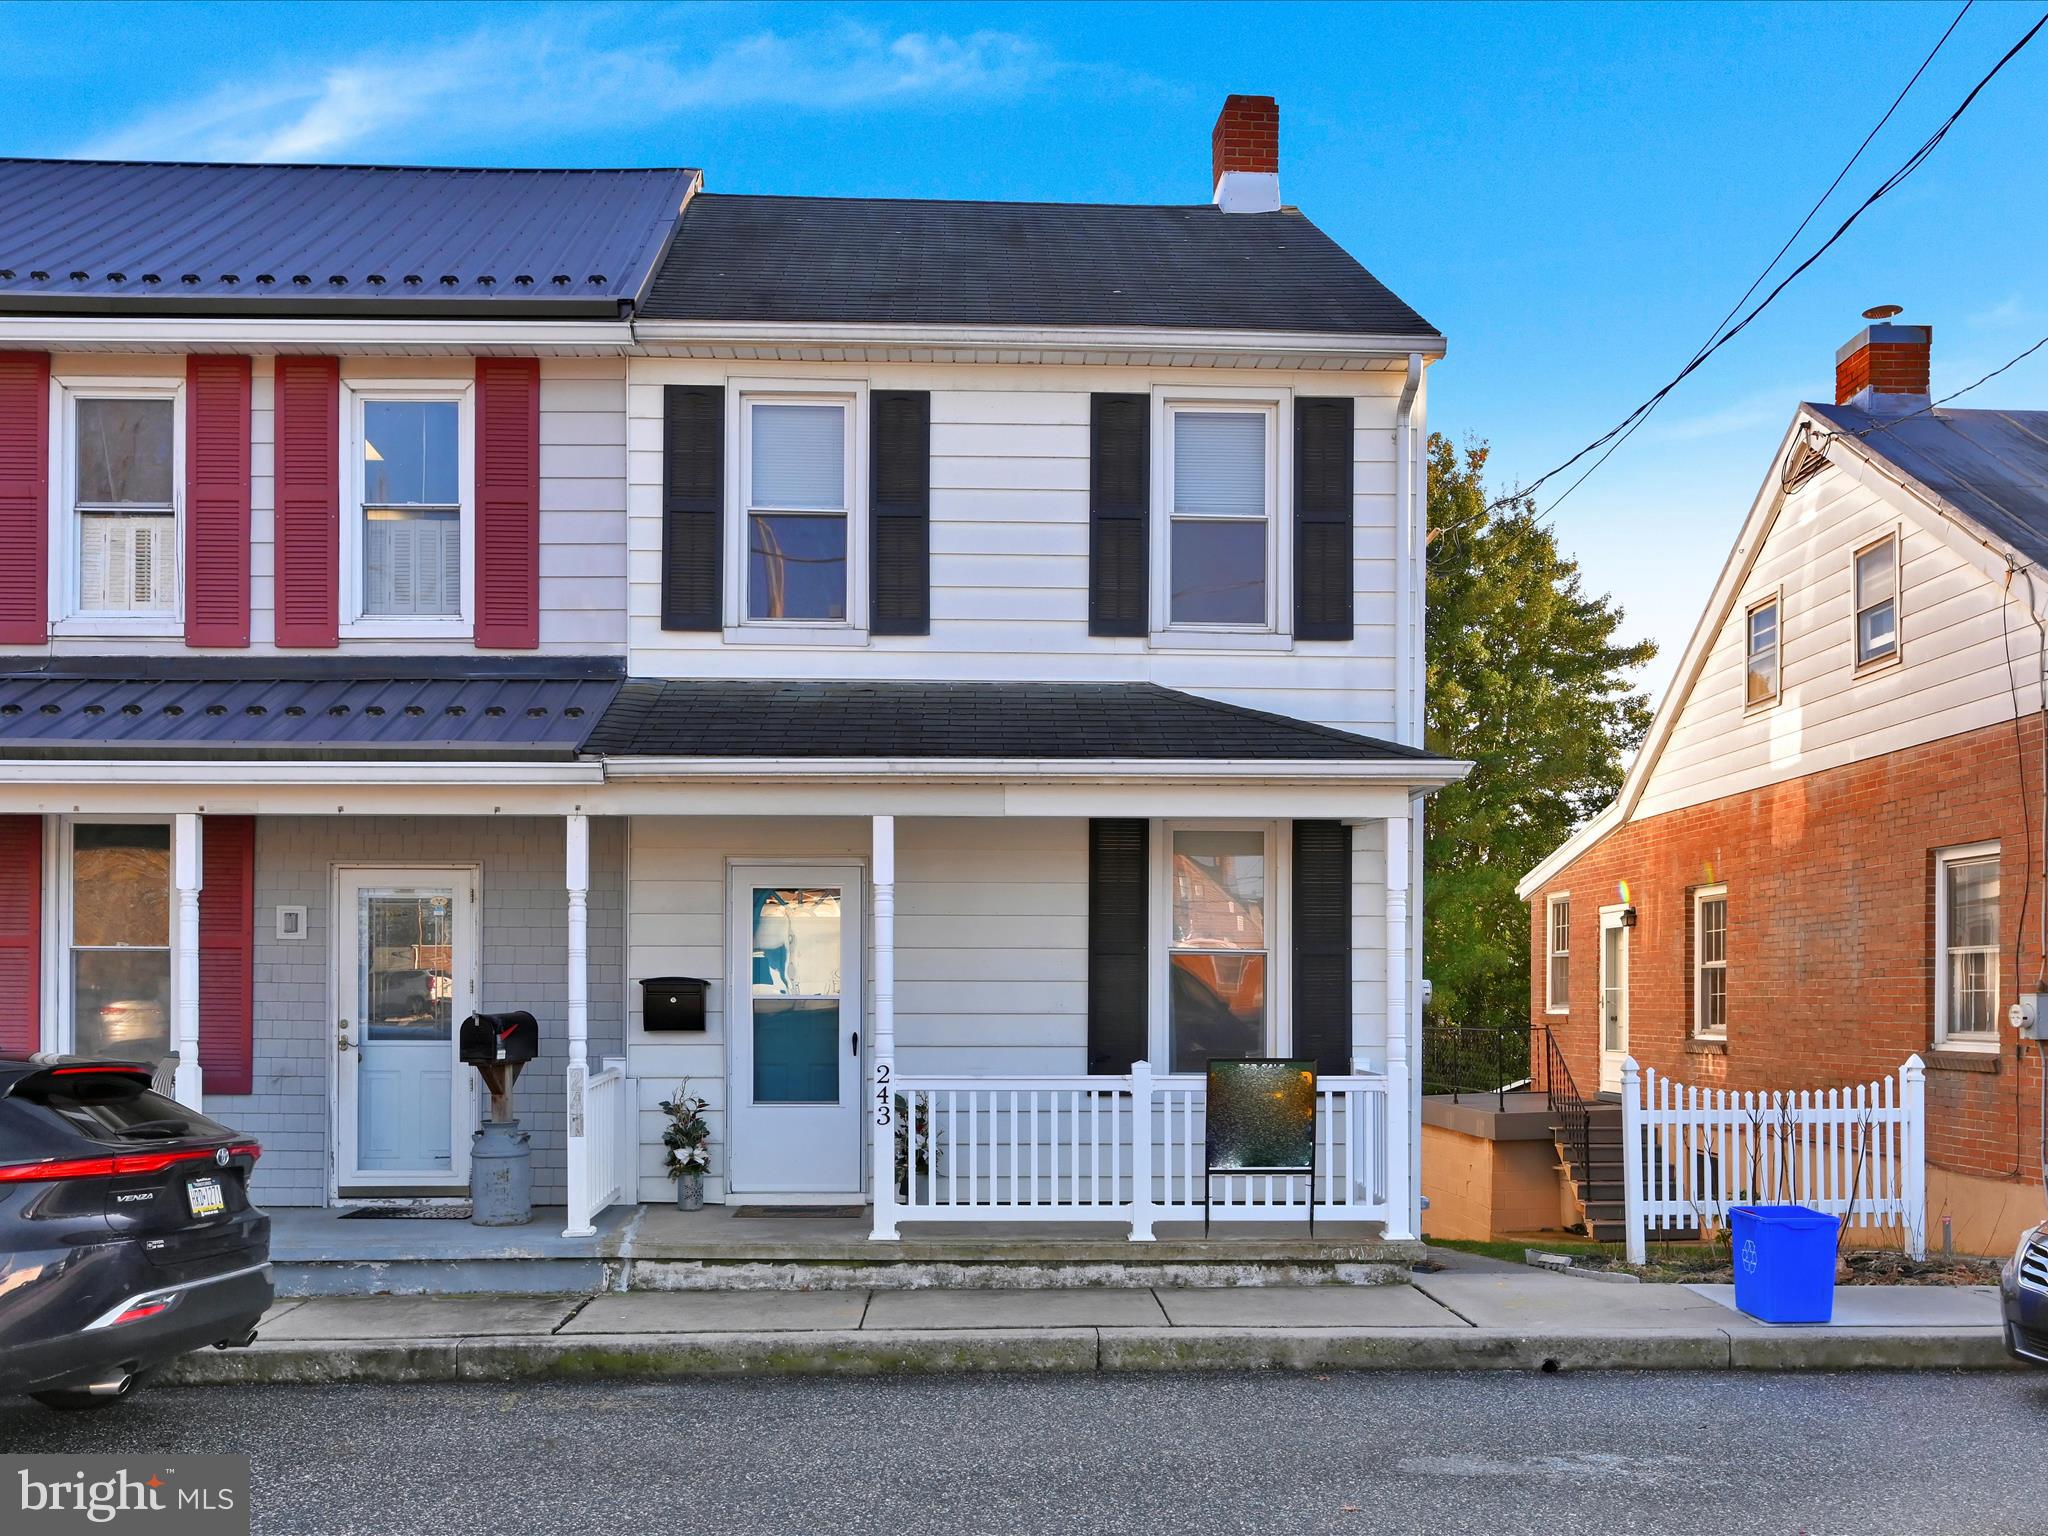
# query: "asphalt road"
{"points": [[1474, 1452]]}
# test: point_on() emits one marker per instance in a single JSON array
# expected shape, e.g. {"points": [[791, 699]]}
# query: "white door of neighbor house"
{"points": [[794, 1021], [405, 978], [1613, 998]]}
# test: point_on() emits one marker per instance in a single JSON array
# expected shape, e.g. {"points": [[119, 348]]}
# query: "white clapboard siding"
{"points": [[1957, 632]]}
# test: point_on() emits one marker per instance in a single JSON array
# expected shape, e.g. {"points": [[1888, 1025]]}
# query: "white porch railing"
{"points": [[1127, 1149], [1689, 1153], [601, 1144]]}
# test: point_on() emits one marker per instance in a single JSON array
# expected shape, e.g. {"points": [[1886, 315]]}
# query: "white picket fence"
{"points": [[1858, 1152], [601, 1144], [1126, 1149]]}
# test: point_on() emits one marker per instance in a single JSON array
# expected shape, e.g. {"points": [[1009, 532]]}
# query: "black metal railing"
{"points": [[1568, 1111], [1478, 1059]]}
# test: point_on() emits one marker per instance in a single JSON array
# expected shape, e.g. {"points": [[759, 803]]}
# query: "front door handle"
{"points": [[856, 1042], [340, 1036]]}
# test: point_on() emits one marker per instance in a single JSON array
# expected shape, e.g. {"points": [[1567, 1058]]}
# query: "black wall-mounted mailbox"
{"points": [[672, 1004]]}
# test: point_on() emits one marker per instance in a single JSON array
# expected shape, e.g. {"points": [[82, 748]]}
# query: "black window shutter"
{"points": [[1119, 876], [1119, 501], [692, 506], [900, 509], [1322, 945], [1322, 519]]}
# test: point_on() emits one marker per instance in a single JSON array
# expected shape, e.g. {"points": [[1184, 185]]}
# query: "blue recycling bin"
{"points": [[1784, 1262]]}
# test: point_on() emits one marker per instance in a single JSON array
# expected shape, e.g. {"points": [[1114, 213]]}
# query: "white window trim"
{"points": [[1857, 610], [59, 1029], [1943, 1040], [1279, 936], [68, 620], [1551, 1002], [355, 624], [1700, 967], [1277, 631], [741, 396], [1773, 599]]}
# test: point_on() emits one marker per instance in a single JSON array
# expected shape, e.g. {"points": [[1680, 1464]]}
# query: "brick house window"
{"points": [[1966, 946], [1877, 601], [1558, 955], [1710, 962], [1760, 682]]}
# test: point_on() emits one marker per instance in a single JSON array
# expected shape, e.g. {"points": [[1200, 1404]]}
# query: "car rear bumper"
{"points": [[216, 1309]]}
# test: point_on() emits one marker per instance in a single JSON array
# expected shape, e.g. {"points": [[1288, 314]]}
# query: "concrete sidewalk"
{"points": [[1495, 1319]]}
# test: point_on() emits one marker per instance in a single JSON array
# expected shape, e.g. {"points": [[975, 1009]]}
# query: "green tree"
{"points": [[1530, 682]]}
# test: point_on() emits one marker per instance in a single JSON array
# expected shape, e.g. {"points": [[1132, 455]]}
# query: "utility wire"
{"points": [[1890, 184]]}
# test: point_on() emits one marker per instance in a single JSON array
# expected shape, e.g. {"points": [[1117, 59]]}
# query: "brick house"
{"points": [[1825, 857]]}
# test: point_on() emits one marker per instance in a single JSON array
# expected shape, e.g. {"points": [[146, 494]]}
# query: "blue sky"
{"points": [[1573, 194]]}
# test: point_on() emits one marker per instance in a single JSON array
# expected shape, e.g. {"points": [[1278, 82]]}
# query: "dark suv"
{"points": [[126, 1233], [2024, 1289]]}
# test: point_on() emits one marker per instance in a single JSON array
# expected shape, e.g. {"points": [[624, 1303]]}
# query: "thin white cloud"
{"points": [[544, 75], [1758, 408]]}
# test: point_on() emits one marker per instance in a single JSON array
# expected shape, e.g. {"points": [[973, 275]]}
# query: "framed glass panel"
{"points": [[1970, 895], [1877, 607], [1219, 572], [1762, 676], [796, 567], [1219, 528], [407, 981], [120, 940], [1558, 996], [125, 456], [797, 505], [1217, 965], [1710, 958], [796, 1003], [412, 508], [1219, 463], [799, 457]]}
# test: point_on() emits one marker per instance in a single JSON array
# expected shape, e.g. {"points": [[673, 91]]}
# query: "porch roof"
{"points": [[1063, 722]]}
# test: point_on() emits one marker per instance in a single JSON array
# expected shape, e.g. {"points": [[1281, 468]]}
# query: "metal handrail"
{"points": [[1569, 1112], [1474, 1058]]}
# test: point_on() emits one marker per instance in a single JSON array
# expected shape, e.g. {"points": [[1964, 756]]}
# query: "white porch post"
{"points": [[576, 988], [186, 878], [1403, 1206], [881, 1108]]}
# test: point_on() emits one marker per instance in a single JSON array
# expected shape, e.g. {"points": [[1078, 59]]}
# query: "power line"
{"points": [[1890, 184]]}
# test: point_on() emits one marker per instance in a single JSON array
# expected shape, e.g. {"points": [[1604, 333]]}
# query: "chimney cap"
{"points": [[1883, 311]]}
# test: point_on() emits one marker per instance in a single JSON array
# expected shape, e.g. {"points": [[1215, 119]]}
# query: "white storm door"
{"points": [[1613, 999], [405, 978], [794, 1020]]}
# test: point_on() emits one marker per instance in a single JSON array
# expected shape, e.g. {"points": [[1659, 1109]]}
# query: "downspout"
{"points": [[1407, 599]]}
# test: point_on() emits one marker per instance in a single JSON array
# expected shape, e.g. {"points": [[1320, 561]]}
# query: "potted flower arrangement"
{"points": [[688, 1139]]}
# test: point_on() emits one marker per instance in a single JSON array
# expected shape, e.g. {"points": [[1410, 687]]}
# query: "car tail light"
{"points": [[154, 1306], [105, 1167]]}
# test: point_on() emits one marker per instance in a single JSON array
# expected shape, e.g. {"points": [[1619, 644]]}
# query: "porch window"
{"points": [[1710, 962], [411, 515], [1761, 676], [1221, 522], [120, 940], [798, 496], [1967, 946], [1877, 601], [124, 511], [1217, 952], [1558, 983]]}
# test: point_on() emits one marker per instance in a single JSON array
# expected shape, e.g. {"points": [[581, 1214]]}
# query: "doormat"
{"points": [[408, 1213], [800, 1210]]}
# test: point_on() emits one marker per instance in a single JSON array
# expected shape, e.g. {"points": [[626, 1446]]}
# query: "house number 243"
{"points": [[881, 1093]]}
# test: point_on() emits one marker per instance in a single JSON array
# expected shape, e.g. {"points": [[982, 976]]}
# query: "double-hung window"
{"points": [[1217, 949], [1557, 994], [1710, 962], [124, 509], [119, 939], [1877, 601], [1966, 946], [410, 511], [797, 495], [1760, 674], [1222, 520]]}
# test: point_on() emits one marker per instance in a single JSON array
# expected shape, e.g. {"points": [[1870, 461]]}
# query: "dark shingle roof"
{"points": [[883, 260], [1044, 721], [120, 235], [1991, 466], [278, 709]]}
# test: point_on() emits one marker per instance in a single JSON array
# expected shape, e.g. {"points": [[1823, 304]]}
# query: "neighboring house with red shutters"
{"points": [[1828, 855], [488, 589]]}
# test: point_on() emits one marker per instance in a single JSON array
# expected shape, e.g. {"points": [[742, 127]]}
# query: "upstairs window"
{"points": [[124, 504], [1760, 684], [1557, 992], [1710, 963], [1220, 518], [798, 497], [411, 511], [1877, 601]]}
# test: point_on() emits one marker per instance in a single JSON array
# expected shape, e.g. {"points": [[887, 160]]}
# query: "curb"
{"points": [[877, 1352]]}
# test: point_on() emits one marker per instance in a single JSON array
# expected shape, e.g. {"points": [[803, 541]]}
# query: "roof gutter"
{"points": [[1423, 772]]}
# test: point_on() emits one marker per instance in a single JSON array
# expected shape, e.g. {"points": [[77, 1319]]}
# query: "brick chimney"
{"points": [[1884, 367], [1244, 153]]}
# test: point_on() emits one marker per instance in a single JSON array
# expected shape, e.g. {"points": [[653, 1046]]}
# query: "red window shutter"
{"points": [[21, 934], [308, 501], [217, 501], [227, 953], [508, 503], [24, 497]]}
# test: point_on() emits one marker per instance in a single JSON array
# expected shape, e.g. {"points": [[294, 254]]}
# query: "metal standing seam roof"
{"points": [[113, 236], [1991, 466], [1041, 721], [820, 259]]}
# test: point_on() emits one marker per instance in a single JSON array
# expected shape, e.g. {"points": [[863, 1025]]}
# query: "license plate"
{"points": [[205, 1197]]}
